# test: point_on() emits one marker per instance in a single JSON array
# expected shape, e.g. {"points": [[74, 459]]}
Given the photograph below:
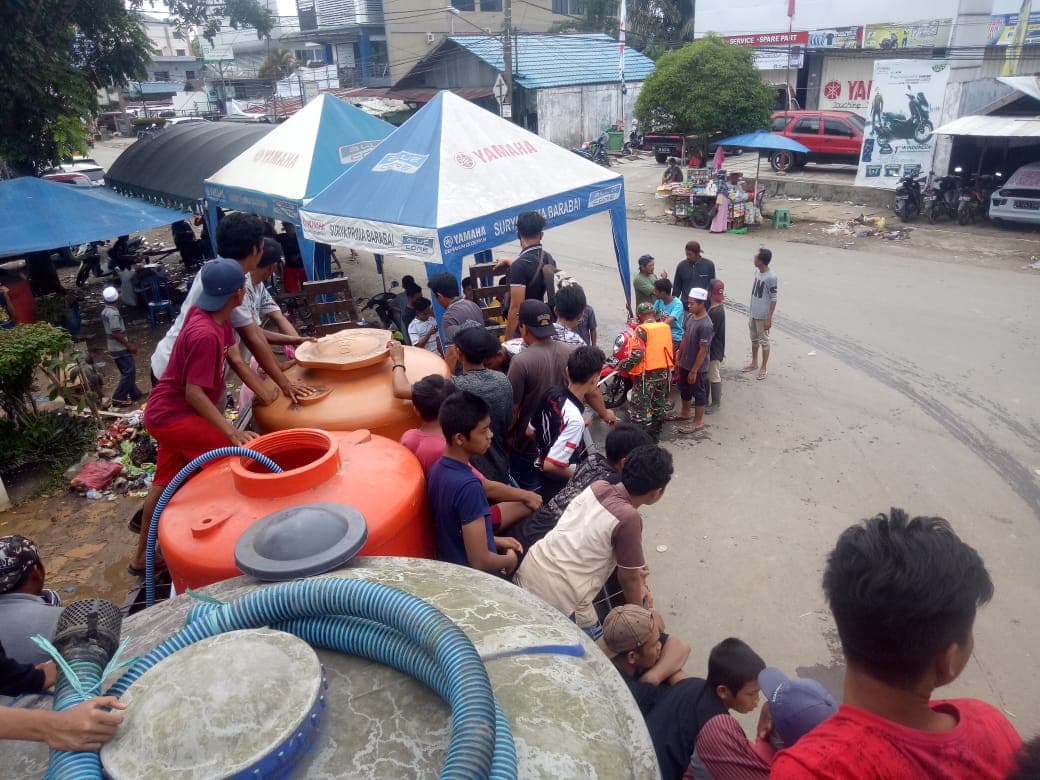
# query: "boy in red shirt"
{"points": [[904, 594], [183, 414]]}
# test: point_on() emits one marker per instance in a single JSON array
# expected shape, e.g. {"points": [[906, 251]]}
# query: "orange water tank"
{"points": [[376, 476], [360, 397]]}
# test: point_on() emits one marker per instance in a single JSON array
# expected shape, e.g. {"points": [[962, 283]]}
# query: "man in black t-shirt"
{"points": [[692, 271], [527, 276]]}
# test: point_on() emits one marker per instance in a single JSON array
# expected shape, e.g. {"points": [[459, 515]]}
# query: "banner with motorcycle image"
{"points": [[905, 101]]}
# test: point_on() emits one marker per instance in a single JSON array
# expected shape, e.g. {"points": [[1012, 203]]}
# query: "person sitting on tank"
{"points": [[427, 442], [26, 607], [461, 513]]}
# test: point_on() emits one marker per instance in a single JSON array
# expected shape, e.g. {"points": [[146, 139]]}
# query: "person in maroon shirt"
{"points": [[904, 593], [184, 412]]}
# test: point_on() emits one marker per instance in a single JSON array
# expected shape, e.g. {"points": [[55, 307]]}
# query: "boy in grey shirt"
{"points": [[760, 313]]}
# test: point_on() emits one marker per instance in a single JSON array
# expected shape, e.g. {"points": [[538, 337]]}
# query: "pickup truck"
{"points": [[664, 145]]}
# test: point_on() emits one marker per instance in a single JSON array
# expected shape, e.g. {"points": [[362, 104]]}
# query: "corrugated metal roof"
{"points": [[993, 126], [560, 60]]}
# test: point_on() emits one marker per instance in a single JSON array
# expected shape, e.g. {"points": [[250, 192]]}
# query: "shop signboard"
{"points": [[1002, 29], [924, 34], [777, 59], [769, 39], [905, 101], [845, 84], [836, 38]]}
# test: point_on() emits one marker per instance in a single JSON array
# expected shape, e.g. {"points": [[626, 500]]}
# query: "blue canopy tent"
{"points": [[41, 215], [293, 162], [763, 141], [450, 183]]}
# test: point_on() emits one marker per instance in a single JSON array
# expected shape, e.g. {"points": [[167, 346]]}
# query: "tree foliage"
{"points": [[656, 25], [707, 86], [58, 53], [278, 64]]}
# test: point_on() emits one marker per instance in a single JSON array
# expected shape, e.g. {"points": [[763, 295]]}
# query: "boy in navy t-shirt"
{"points": [[461, 514]]}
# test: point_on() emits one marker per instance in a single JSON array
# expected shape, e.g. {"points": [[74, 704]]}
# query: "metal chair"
{"points": [[156, 291]]}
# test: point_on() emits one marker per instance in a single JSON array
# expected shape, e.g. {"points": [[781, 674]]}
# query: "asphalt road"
{"points": [[893, 382]]}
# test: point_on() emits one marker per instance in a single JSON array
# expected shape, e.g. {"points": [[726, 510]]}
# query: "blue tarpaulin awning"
{"points": [[41, 215]]}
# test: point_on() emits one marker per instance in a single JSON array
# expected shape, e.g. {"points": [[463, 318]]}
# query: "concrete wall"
{"points": [[409, 22], [570, 115], [176, 67]]}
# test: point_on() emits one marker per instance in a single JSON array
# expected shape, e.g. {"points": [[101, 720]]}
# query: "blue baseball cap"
{"points": [[220, 279], [797, 706]]}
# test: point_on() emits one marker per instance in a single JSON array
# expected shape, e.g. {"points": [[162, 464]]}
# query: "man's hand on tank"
{"points": [[304, 340], [268, 397], [396, 349], [298, 390], [242, 438]]}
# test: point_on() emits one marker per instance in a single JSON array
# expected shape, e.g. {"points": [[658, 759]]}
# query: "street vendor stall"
{"points": [[691, 201], [294, 162], [451, 181]]}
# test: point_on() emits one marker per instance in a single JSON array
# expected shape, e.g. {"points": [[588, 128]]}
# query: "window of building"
{"points": [[463, 5], [491, 5], [837, 127], [179, 52], [568, 7], [808, 126], [162, 75], [189, 75]]}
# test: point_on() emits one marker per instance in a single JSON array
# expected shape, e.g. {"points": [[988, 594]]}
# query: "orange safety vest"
{"points": [[657, 337]]}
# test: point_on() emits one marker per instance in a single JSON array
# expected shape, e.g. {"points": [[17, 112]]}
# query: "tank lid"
{"points": [[301, 541]]}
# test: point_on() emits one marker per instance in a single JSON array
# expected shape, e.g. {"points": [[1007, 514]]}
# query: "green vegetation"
{"points": [[706, 87]]}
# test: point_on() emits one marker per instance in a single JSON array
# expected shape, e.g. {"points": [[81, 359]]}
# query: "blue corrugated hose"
{"points": [[167, 494], [356, 617]]}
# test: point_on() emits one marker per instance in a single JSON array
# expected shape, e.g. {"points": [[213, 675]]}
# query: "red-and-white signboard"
{"points": [[770, 39]]}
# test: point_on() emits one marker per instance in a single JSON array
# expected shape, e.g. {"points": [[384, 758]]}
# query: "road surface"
{"points": [[893, 382]]}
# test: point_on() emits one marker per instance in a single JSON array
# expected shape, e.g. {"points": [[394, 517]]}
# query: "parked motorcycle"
{"points": [[909, 195], [616, 383], [89, 257], [125, 246], [595, 151], [635, 140], [380, 303], [917, 126], [943, 200], [974, 200]]}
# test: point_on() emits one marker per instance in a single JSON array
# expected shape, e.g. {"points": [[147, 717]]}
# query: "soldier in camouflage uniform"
{"points": [[648, 399]]}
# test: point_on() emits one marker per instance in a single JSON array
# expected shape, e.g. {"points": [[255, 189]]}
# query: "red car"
{"points": [[831, 136]]}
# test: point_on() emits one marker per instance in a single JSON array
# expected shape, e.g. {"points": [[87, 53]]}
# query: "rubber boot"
{"points": [[715, 391]]}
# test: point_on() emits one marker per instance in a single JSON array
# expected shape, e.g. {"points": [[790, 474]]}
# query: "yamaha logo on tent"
{"points": [[401, 162]]}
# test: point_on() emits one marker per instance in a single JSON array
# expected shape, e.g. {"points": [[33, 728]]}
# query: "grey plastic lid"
{"points": [[301, 541]]}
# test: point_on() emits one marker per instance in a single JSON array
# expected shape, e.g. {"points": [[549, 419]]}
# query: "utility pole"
{"points": [[507, 57]]}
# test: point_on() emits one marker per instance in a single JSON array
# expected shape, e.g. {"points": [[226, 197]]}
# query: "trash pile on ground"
{"points": [[123, 462], [867, 227]]}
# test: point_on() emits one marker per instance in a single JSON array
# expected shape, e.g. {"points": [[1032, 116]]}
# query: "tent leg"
{"points": [[211, 219], [306, 253], [619, 227]]}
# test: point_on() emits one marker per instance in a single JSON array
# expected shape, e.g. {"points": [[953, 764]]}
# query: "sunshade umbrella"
{"points": [[763, 141], [41, 215]]}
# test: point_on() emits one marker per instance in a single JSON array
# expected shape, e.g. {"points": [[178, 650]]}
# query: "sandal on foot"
{"points": [[690, 429], [748, 369], [761, 374], [676, 417]]}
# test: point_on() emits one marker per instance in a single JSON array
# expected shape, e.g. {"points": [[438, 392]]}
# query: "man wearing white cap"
{"points": [[693, 361], [121, 350]]}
